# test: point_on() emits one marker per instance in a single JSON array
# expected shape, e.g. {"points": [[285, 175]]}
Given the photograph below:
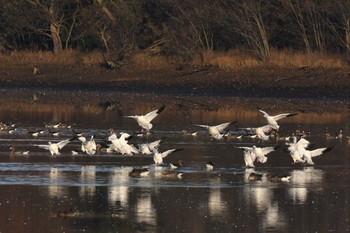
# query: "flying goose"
{"points": [[216, 131], [272, 120], [54, 147], [144, 121]]}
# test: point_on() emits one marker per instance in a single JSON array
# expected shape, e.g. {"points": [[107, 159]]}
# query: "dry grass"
{"points": [[146, 61], [234, 60], [67, 57], [230, 60]]}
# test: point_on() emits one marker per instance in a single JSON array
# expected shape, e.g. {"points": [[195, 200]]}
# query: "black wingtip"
{"points": [[328, 149], [293, 114], [73, 138], [257, 107], [233, 122], [277, 147], [161, 109], [176, 150]]}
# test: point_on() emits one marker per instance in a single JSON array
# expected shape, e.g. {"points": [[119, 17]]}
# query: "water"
{"points": [[81, 193]]}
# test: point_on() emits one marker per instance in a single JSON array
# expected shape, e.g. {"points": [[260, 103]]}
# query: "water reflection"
{"points": [[145, 211], [55, 189], [88, 180], [303, 180], [202, 201], [118, 190]]}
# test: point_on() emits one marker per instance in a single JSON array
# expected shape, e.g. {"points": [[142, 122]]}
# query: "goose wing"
{"points": [[283, 115], [151, 115], [61, 144]]}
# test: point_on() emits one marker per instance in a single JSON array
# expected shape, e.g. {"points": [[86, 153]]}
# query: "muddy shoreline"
{"points": [[200, 88]]}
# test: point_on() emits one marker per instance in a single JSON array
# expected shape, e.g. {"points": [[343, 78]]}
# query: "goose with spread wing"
{"points": [[55, 147], [272, 120], [144, 121], [216, 131]]}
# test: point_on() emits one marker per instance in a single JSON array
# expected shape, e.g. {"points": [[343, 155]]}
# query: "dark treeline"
{"points": [[175, 27]]}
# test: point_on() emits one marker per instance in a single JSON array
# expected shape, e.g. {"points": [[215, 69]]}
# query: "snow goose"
{"points": [[216, 131], [158, 157], [54, 147], [144, 121], [261, 131], [88, 146], [147, 148], [272, 120], [256, 153]]}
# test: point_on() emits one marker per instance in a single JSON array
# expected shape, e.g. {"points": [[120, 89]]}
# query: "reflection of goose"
{"points": [[216, 130], [118, 188], [54, 189], [272, 120], [144, 121], [145, 212], [274, 219], [88, 179], [302, 180], [54, 147], [217, 206]]}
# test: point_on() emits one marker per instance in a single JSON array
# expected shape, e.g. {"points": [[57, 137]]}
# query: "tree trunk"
{"points": [[56, 39], [347, 36]]}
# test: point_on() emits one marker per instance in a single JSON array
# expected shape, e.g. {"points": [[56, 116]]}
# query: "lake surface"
{"points": [[82, 193]]}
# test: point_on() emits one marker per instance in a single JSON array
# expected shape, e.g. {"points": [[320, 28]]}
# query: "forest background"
{"points": [[170, 34]]}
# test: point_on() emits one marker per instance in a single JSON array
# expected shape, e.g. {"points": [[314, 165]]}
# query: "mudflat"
{"points": [[189, 87]]}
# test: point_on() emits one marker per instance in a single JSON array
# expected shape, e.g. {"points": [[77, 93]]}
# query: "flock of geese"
{"points": [[298, 146]]}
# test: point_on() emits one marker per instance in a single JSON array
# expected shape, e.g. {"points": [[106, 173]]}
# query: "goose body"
{"points": [[144, 121]]}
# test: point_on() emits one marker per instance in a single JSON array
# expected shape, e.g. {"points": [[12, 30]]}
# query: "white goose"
{"points": [[272, 120], [261, 131], [256, 153], [88, 146], [158, 157], [55, 147], [144, 121], [216, 131], [121, 144], [147, 148]]}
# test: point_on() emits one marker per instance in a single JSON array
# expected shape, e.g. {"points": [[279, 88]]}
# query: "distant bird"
{"points": [[216, 131], [172, 174], [139, 172], [36, 69], [144, 121], [88, 146], [55, 147], [256, 153], [254, 176], [278, 177], [209, 166], [176, 165], [158, 157], [14, 151], [272, 120]]}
